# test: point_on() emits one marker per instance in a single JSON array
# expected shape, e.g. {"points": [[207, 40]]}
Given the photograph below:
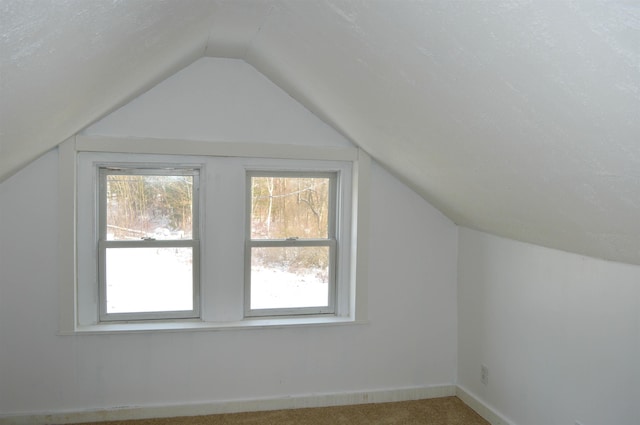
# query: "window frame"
{"points": [[332, 241], [170, 169], [77, 312]]}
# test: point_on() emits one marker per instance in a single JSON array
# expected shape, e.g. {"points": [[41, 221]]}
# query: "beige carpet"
{"points": [[438, 411]]}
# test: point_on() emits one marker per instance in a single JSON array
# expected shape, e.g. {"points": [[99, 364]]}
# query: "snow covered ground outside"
{"points": [[159, 279], [277, 288]]}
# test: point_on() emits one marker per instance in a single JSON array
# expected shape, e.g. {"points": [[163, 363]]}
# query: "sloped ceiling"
{"points": [[518, 118]]}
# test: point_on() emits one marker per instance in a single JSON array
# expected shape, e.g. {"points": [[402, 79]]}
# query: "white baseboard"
{"points": [[489, 414], [233, 406]]}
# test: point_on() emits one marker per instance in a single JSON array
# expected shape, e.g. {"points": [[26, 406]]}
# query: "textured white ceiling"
{"points": [[519, 118]]}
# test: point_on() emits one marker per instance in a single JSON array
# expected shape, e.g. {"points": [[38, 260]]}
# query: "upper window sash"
{"points": [[105, 170]]}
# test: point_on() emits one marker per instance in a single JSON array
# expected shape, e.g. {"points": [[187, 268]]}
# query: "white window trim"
{"points": [[356, 311]]}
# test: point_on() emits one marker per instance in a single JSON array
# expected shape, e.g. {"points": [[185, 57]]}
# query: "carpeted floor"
{"points": [[437, 411]]}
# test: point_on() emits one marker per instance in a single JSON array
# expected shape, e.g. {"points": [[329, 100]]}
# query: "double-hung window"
{"points": [[217, 236], [290, 254], [148, 245]]}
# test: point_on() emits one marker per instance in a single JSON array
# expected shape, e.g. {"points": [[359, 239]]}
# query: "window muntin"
{"points": [[148, 245], [292, 242]]}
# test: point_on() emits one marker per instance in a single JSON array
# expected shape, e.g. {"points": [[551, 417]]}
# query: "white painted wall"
{"points": [[219, 100], [559, 332], [410, 340]]}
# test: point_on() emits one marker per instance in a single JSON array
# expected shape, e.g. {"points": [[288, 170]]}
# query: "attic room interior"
{"points": [[477, 165]]}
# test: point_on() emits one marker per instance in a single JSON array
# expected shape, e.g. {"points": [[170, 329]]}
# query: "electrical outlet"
{"points": [[484, 374]]}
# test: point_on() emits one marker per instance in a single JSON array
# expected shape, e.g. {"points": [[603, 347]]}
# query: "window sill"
{"points": [[186, 326]]}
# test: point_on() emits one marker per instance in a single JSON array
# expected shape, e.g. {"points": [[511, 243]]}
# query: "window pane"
{"points": [[287, 207], [289, 277], [149, 279], [158, 207]]}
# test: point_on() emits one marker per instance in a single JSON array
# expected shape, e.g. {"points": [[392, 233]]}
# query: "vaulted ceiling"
{"points": [[519, 118]]}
